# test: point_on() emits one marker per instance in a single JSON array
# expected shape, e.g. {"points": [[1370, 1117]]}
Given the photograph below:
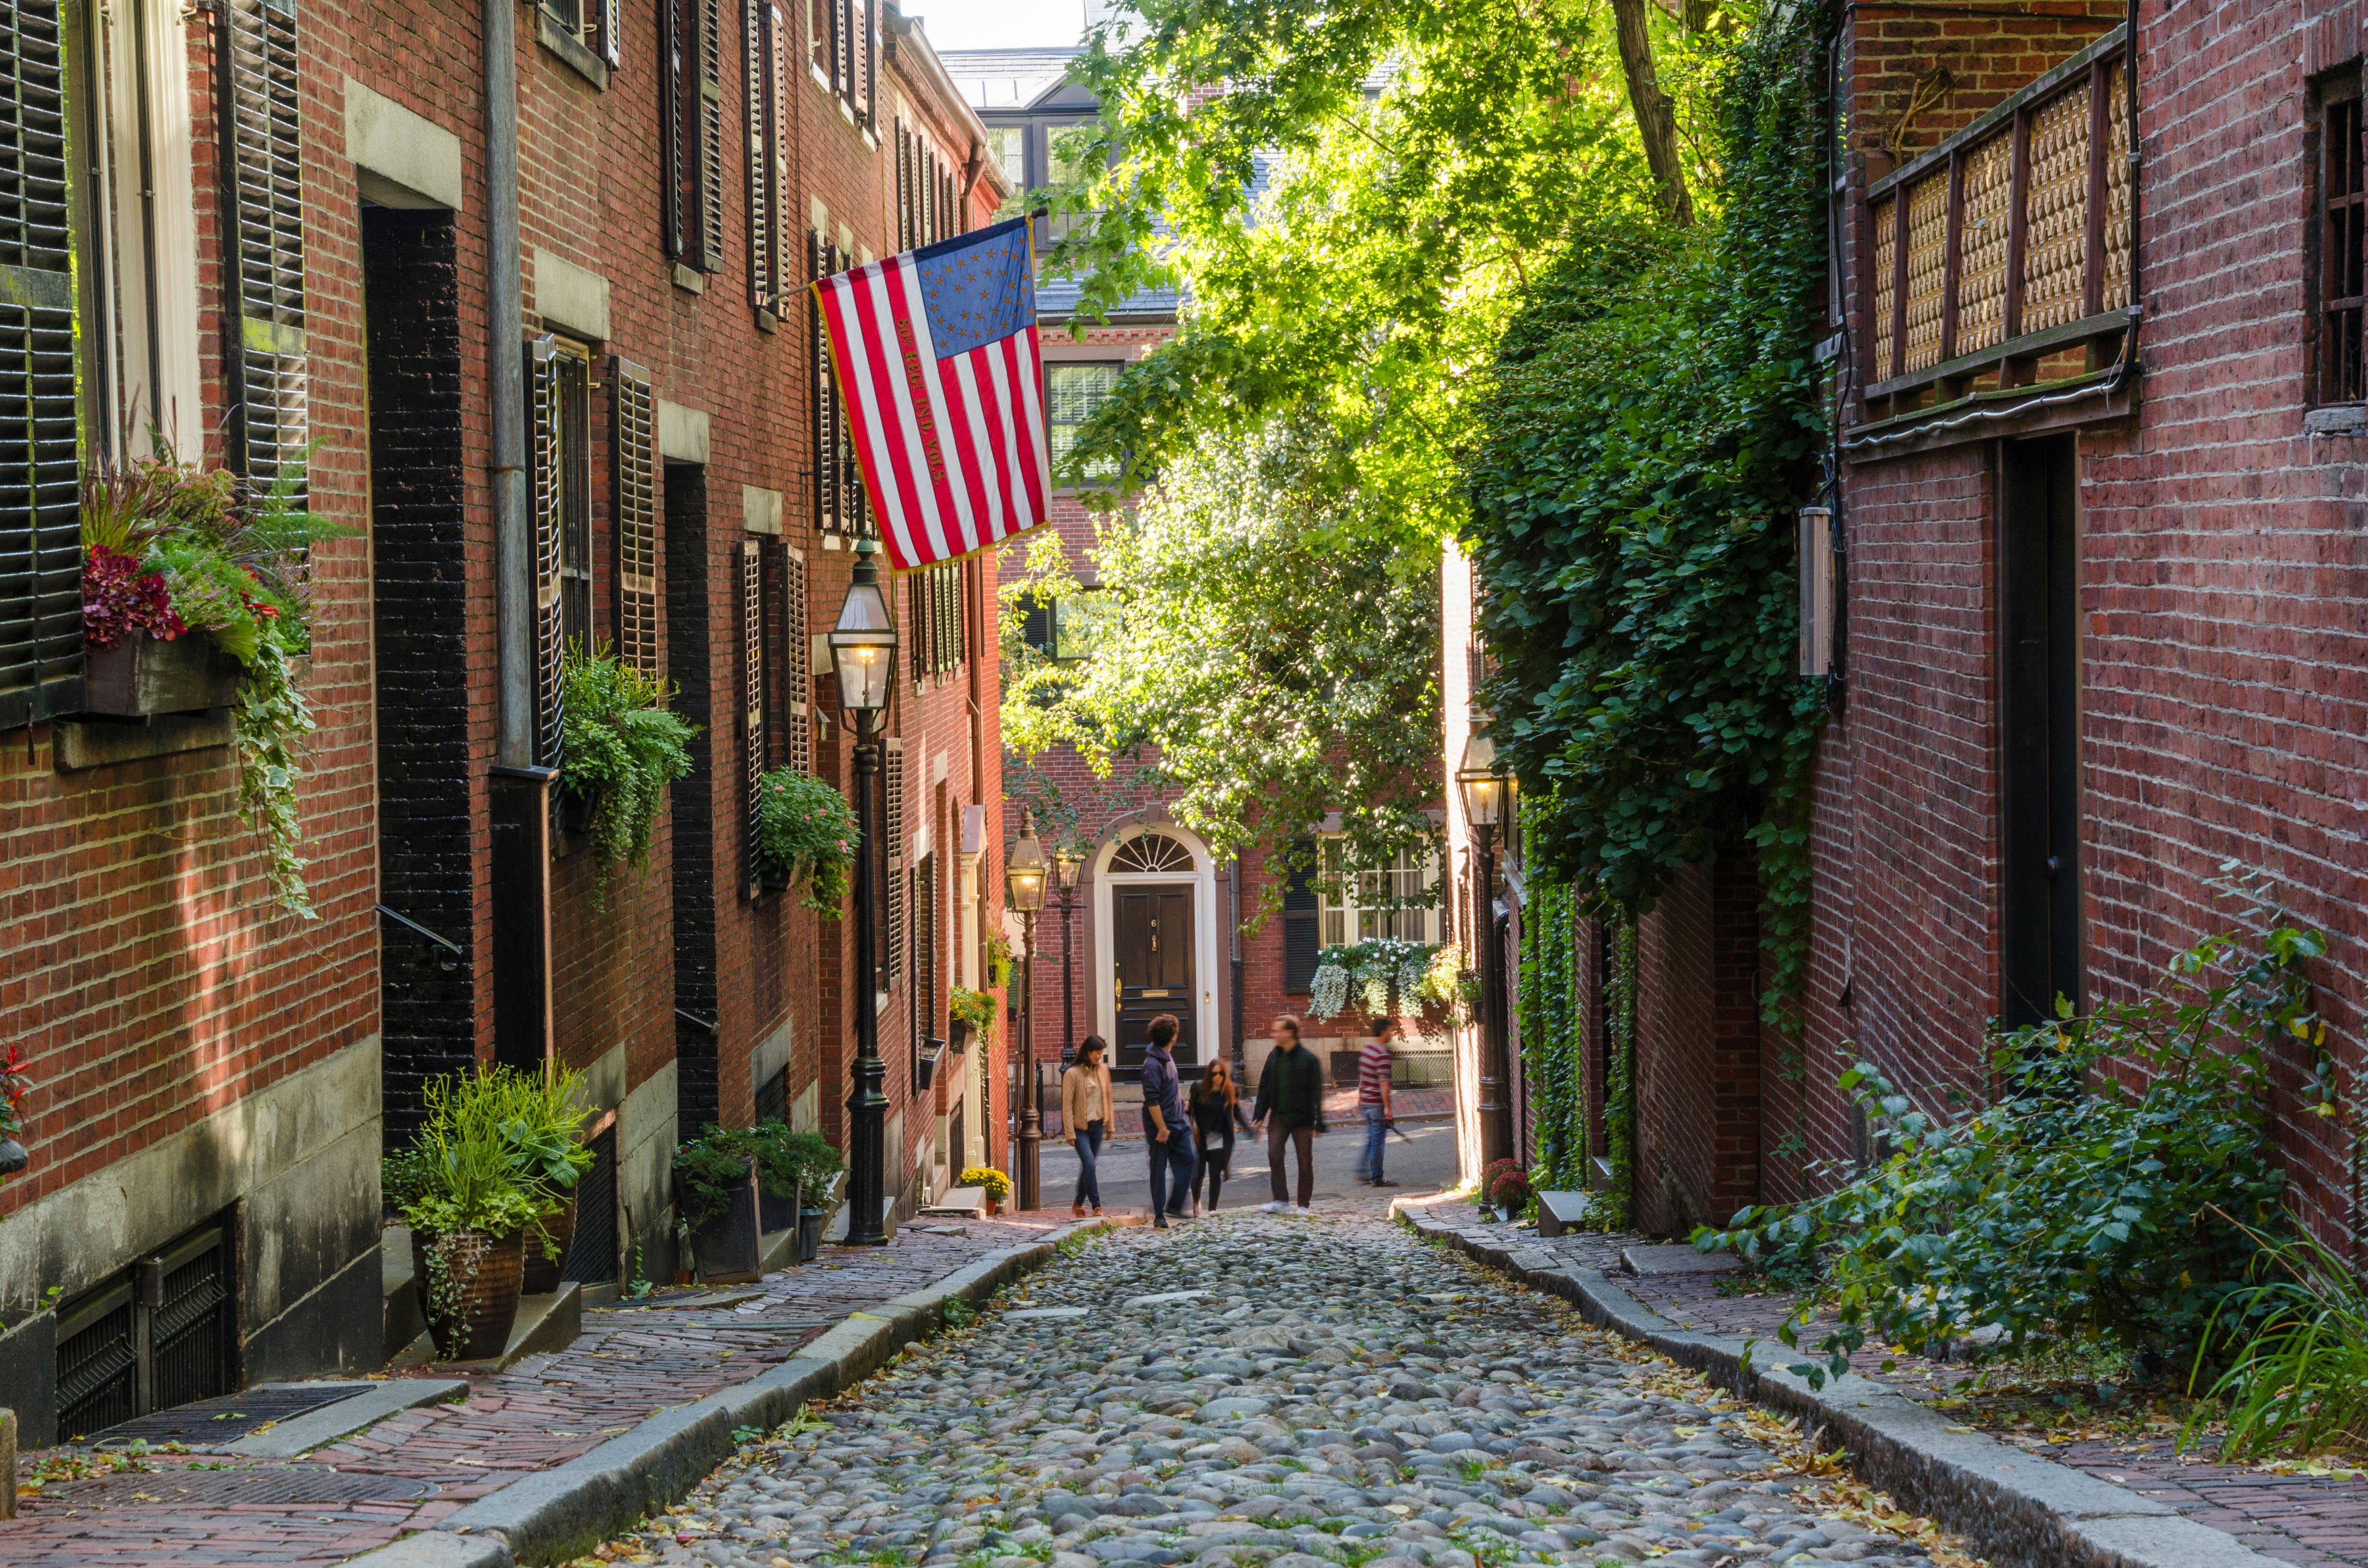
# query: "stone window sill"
{"points": [[2337, 419], [570, 48]]}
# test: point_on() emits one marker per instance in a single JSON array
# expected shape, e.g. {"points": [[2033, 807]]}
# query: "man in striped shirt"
{"points": [[1373, 1100]]}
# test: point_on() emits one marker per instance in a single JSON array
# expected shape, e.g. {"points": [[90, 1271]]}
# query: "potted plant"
{"points": [[1505, 1186], [715, 1188], [820, 1167], [468, 1197], [197, 593], [971, 1012], [805, 830], [545, 1126], [998, 1185], [620, 747]]}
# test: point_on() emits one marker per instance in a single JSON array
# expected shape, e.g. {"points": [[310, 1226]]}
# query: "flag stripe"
{"points": [[880, 445], [979, 450], [891, 394], [959, 499]]}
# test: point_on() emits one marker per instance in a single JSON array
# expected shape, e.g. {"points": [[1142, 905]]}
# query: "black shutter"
{"points": [[1036, 631], [265, 152], [549, 555], [764, 287], [40, 536], [797, 671], [1300, 930], [752, 684], [710, 123], [633, 448], [891, 854], [859, 81]]}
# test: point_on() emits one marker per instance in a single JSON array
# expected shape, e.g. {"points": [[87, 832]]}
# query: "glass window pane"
{"points": [[1072, 392], [1009, 145]]}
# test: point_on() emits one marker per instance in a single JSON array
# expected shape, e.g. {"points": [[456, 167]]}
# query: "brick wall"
{"points": [[1698, 1054]]}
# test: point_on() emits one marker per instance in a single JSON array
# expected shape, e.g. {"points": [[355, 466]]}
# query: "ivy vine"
{"points": [[1617, 1203], [1654, 424], [1553, 1038]]}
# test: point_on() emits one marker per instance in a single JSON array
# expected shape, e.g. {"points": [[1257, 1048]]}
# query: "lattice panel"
{"points": [[1885, 249], [1981, 269], [2055, 223], [797, 666], [1928, 268], [2116, 291], [634, 451]]}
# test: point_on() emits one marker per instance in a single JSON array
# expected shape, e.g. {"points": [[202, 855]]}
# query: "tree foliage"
{"points": [[1652, 424]]}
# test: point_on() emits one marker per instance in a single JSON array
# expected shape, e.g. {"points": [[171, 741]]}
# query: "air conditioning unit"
{"points": [[1817, 585]]}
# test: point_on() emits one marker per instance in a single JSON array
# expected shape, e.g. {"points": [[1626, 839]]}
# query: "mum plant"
{"points": [[171, 550], [805, 829], [997, 1185], [622, 747], [2121, 1187]]}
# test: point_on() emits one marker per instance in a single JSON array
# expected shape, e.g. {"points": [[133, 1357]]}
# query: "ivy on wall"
{"points": [[1554, 1039], [1617, 1201]]}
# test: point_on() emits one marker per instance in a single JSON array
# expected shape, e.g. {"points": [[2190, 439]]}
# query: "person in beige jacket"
{"points": [[1085, 1118]]}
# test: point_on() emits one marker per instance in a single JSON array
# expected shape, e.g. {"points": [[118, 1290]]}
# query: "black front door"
{"points": [[1153, 927], [2039, 723]]}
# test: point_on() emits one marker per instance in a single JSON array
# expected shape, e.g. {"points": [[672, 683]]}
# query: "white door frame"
{"points": [[1204, 878]]}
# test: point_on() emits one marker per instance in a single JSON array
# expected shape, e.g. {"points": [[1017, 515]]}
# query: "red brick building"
{"points": [[646, 457], [2095, 561]]}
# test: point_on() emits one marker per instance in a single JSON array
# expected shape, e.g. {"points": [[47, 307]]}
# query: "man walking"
{"points": [[1291, 1108], [1373, 1100], [1167, 1130]]}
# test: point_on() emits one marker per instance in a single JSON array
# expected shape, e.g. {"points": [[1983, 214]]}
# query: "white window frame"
{"points": [[1341, 919]]}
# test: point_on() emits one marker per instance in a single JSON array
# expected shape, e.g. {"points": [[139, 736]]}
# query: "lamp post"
{"points": [[1023, 876], [863, 652], [1066, 864], [1486, 788]]}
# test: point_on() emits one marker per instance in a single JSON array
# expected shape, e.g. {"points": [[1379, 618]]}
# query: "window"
{"points": [[633, 495], [1299, 920], [925, 1016], [2344, 204], [1359, 906], [595, 24], [927, 195], [1071, 394], [694, 131], [41, 539], [1067, 164], [572, 370], [1008, 144]]}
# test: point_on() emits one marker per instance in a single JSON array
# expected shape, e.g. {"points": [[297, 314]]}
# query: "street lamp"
{"points": [[1487, 791], [863, 652], [1066, 864], [1023, 875]]}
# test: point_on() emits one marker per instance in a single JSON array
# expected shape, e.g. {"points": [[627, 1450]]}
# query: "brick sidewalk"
{"points": [[2296, 1518], [1432, 1103], [632, 1360]]}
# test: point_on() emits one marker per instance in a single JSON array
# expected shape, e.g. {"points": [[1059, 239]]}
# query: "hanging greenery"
{"points": [[806, 830], [1654, 423], [1618, 1200], [1553, 1036], [622, 747], [1380, 971]]}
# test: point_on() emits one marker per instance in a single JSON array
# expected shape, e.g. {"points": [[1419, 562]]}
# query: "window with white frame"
{"points": [[1362, 905]]}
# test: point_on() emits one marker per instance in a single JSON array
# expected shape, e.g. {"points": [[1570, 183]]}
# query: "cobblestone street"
{"points": [[1279, 1391]]}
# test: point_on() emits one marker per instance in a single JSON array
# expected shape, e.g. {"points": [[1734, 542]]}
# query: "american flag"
{"points": [[936, 352]]}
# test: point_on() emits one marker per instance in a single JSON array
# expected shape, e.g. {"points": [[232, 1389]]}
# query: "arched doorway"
{"points": [[1155, 925]]}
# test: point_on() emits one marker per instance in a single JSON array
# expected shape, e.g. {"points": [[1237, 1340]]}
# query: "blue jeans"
{"points": [[1089, 1145], [1171, 1173], [1377, 1133]]}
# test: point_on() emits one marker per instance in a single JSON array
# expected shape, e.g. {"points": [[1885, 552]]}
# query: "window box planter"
{"points": [[141, 675], [932, 1052]]}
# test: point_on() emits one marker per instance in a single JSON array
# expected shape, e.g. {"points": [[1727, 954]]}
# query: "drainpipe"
{"points": [[513, 531]]}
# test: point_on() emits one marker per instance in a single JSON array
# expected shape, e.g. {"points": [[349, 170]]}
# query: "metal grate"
{"points": [[2055, 252], [550, 588], [305, 1485], [40, 542], [267, 158], [189, 1328], [227, 1416], [634, 449], [592, 1255], [98, 1362], [773, 1098]]}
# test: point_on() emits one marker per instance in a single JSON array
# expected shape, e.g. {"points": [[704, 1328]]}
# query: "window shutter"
{"points": [[858, 83], [266, 262], [752, 682], [550, 597], [1300, 939], [40, 529], [892, 846], [613, 28], [676, 93], [1036, 631], [764, 288], [634, 449], [781, 268], [818, 421], [798, 664], [710, 135]]}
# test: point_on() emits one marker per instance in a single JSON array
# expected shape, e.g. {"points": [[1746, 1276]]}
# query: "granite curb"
{"points": [[553, 1515], [2018, 1509]]}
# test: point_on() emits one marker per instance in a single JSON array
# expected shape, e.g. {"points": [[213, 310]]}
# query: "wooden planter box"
{"points": [[141, 675]]}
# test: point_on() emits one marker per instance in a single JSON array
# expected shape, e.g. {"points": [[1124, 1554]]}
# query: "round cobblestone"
{"points": [[1269, 1391]]}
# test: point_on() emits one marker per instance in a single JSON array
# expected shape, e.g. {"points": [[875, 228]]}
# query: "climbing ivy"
{"points": [[1617, 1202], [1653, 424], [1553, 1038]]}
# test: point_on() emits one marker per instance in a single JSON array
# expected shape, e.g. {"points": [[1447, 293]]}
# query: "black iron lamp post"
{"points": [[863, 651], [1066, 864], [1486, 792], [1023, 875]]}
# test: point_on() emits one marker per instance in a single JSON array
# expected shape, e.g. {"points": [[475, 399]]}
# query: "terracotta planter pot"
{"points": [[541, 1275], [487, 1280]]}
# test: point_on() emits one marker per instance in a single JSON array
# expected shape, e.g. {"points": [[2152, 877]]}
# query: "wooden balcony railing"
{"points": [[2001, 258]]}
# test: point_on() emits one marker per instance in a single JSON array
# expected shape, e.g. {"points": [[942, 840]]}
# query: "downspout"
{"points": [[513, 534]]}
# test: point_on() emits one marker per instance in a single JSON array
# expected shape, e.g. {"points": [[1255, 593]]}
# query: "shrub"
{"points": [[711, 1169], [805, 829], [787, 1161], [621, 747], [998, 1185], [2120, 1190]]}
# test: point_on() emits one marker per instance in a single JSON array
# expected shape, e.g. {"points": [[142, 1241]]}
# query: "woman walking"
{"points": [[1084, 1117], [1216, 1110]]}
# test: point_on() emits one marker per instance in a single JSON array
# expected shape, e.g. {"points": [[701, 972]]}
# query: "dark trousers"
{"points": [[1215, 1165], [1171, 1173], [1278, 1138]]}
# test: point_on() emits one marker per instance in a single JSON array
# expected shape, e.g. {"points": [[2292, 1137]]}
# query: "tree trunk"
{"points": [[1657, 119]]}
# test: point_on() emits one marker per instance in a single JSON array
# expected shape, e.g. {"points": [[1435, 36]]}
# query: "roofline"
{"points": [[905, 30]]}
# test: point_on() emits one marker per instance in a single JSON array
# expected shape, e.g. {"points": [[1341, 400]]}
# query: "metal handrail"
{"points": [[417, 929]]}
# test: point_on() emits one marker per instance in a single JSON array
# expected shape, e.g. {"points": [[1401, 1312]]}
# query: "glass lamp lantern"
{"points": [[863, 643], [1023, 873], [1484, 786]]}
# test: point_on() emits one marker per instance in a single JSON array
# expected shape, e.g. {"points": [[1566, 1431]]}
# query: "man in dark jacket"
{"points": [[1167, 1128], [1290, 1108]]}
